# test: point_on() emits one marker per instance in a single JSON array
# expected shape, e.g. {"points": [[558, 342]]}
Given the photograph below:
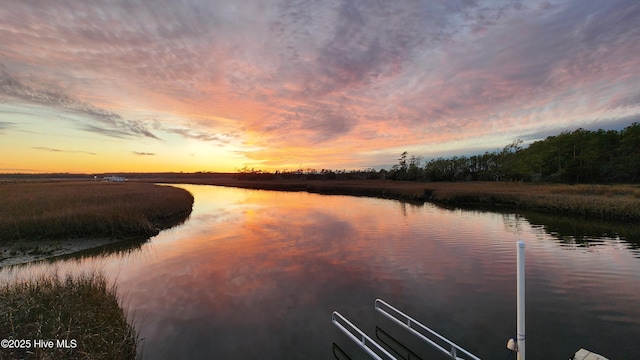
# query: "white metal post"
{"points": [[520, 338]]}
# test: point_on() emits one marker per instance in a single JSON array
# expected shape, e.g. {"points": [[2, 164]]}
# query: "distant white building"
{"points": [[114, 178]]}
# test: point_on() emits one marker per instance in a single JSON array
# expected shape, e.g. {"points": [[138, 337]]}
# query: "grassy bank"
{"points": [[46, 210], [612, 202], [82, 310]]}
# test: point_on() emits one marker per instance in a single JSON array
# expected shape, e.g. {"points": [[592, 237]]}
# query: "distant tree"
{"points": [[580, 156], [414, 170], [399, 170], [629, 167]]}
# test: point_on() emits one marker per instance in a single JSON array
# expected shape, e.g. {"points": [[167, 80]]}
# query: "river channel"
{"points": [[257, 274]]}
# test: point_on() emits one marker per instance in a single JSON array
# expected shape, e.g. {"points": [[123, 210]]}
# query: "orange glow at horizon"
{"points": [[274, 86]]}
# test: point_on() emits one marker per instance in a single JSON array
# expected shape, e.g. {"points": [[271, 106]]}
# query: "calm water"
{"points": [[257, 274]]}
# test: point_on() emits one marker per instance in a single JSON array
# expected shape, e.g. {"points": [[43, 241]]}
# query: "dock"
{"points": [[446, 347], [584, 354]]}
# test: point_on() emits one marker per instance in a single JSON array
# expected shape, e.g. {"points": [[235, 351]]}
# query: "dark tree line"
{"points": [[309, 174], [580, 156]]}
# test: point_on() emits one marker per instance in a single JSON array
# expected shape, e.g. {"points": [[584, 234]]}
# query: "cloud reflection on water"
{"points": [[256, 274]]}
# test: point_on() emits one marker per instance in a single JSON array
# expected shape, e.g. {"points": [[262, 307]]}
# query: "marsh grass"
{"points": [[85, 308], [610, 202], [613, 202], [49, 210]]}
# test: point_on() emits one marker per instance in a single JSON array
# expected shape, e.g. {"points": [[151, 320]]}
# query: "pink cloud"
{"points": [[334, 78]]}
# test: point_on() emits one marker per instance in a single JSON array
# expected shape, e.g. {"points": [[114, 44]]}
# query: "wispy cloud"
{"points": [[201, 135], [19, 170], [329, 76], [139, 153], [6, 125], [43, 148], [98, 120]]}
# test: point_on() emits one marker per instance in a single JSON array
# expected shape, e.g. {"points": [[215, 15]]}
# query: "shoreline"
{"points": [[595, 202], [49, 219], [41, 250], [578, 201]]}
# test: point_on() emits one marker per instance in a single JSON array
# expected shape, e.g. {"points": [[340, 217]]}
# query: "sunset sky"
{"points": [[194, 85]]}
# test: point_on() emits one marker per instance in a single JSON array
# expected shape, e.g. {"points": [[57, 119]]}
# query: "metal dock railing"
{"points": [[376, 351], [438, 341], [421, 331], [360, 338]]}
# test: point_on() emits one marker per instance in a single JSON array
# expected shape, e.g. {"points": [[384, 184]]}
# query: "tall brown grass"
{"points": [[46, 210], [84, 308], [611, 202]]}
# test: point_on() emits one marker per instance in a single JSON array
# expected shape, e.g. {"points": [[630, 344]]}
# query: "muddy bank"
{"points": [[49, 219], [27, 251]]}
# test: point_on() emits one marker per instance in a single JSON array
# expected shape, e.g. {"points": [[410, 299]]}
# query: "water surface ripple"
{"points": [[256, 274]]}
